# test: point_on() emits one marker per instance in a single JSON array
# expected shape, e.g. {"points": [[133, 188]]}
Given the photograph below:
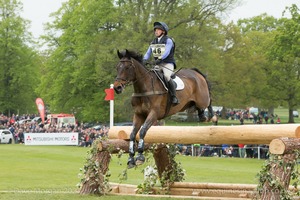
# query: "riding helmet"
{"points": [[161, 25]]}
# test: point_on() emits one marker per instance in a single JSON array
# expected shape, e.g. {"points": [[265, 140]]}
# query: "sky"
{"points": [[251, 8], [38, 11]]}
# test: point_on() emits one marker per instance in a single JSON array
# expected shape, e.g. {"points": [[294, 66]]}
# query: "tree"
{"points": [[19, 63], [85, 35], [244, 81], [285, 56], [79, 58]]}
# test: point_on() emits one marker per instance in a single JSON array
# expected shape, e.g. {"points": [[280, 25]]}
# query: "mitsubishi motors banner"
{"points": [[51, 138]]}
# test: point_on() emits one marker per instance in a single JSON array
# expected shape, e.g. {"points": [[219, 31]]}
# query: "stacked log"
{"points": [[240, 134], [284, 145], [281, 167], [195, 190]]}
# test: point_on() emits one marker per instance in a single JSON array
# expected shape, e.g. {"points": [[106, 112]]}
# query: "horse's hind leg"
{"points": [[210, 112], [201, 115]]}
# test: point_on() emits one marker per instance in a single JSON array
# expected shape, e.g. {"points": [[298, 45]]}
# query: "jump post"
{"points": [[284, 152]]}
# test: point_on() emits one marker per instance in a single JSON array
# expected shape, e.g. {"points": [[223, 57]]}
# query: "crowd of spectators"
{"points": [[18, 125], [239, 150], [257, 118]]}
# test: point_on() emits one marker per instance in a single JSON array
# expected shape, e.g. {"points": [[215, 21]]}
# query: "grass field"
{"points": [[51, 172], [43, 172]]}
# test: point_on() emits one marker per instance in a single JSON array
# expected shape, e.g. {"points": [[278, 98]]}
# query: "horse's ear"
{"points": [[119, 54], [127, 53]]}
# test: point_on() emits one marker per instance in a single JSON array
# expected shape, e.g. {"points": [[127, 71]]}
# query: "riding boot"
{"points": [[172, 88]]}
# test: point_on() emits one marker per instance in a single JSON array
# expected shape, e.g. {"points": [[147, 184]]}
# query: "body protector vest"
{"points": [[158, 49]]}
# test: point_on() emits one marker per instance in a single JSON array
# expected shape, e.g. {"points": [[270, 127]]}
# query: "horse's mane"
{"points": [[132, 54]]}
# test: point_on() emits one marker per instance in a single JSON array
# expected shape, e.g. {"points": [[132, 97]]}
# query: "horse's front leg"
{"points": [[140, 159], [131, 160]]}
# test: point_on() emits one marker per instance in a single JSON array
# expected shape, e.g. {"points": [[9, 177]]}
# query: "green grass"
{"points": [[52, 171]]}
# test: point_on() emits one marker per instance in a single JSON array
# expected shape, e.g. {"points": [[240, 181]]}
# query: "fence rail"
{"points": [[248, 151]]}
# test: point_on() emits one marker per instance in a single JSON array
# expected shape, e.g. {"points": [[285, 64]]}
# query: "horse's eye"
{"points": [[119, 66]]}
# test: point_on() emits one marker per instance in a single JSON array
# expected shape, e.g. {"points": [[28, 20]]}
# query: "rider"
{"points": [[163, 49]]}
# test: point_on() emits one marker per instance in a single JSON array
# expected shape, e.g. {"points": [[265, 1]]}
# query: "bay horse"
{"points": [[151, 100]]}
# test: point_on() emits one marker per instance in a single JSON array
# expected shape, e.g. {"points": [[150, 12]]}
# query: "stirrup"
{"points": [[175, 100]]}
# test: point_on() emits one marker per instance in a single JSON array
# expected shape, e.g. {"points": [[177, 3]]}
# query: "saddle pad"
{"points": [[179, 83]]}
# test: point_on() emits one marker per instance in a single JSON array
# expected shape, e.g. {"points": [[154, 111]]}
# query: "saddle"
{"points": [[179, 83]]}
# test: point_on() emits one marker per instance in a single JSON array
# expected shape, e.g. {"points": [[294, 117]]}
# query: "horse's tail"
{"points": [[210, 110]]}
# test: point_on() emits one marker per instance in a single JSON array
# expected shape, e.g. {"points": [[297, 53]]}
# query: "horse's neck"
{"points": [[145, 79]]}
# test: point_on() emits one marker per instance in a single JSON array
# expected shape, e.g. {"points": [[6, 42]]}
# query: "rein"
{"points": [[149, 93]]}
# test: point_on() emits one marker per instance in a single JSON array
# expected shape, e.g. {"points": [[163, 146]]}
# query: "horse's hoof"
{"points": [[140, 159], [203, 119], [130, 163]]}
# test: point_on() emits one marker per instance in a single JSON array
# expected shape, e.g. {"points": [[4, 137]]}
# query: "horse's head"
{"points": [[125, 70]]}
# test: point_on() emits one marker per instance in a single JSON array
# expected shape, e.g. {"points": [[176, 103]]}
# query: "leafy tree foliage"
{"points": [[285, 56], [244, 80], [19, 63], [85, 35], [252, 63], [79, 66]]}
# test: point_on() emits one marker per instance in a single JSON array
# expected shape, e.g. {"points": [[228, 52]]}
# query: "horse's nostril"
{"points": [[118, 89]]}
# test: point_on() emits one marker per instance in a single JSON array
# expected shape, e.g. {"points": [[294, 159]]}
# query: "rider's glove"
{"points": [[158, 61]]}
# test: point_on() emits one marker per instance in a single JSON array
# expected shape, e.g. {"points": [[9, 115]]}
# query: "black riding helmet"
{"points": [[161, 25]]}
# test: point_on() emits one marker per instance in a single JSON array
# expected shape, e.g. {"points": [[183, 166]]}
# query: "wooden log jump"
{"points": [[240, 134]]}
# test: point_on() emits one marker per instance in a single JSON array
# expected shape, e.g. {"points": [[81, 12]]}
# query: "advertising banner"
{"points": [[51, 138], [41, 108]]}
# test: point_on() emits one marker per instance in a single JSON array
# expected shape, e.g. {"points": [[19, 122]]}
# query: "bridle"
{"points": [[122, 79], [127, 82]]}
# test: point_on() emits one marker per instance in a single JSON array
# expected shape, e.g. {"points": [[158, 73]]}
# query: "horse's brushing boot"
{"points": [[140, 159], [172, 88], [130, 163]]}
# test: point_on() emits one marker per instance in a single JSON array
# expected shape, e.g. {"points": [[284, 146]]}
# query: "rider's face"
{"points": [[158, 32]]}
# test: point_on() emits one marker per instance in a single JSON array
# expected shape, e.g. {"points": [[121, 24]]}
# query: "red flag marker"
{"points": [[110, 95]]}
